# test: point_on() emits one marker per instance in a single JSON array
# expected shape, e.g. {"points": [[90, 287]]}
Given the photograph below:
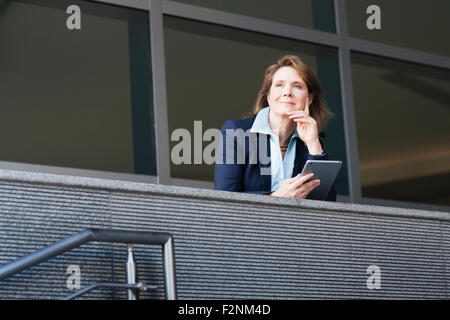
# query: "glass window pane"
{"points": [[75, 97], [214, 74], [314, 14], [415, 24], [403, 121]]}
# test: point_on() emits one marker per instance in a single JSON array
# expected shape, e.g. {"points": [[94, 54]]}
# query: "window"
{"points": [[414, 24], [402, 118], [76, 98]]}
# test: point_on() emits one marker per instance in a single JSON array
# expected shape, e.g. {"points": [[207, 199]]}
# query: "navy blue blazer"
{"points": [[245, 176]]}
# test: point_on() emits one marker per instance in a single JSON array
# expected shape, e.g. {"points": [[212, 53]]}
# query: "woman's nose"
{"points": [[287, 91]]}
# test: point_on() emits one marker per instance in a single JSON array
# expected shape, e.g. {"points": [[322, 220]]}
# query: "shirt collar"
{"points": [[261, 123]]}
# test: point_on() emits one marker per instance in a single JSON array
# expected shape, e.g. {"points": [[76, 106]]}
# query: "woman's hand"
{"points": [[297, 187], [307, 128]]}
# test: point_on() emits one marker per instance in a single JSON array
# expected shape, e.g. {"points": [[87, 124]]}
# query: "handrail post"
{"points": [[169, 269], [131, 271]]}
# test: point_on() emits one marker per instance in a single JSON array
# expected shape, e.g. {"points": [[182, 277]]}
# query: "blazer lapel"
{"points": [[264, 169]]}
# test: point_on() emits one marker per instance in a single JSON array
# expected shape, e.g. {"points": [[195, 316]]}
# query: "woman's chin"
{"points": [[285, 108], [282, 110]]}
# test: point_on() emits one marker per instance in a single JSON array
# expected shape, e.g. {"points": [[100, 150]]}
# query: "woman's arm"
{"points": [[227, 177]]}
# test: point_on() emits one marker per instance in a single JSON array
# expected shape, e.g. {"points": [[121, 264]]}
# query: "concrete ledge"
{"points": [[195, 193]]}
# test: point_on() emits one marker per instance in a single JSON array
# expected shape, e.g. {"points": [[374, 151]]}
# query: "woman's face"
{"points": [[288, 92]]}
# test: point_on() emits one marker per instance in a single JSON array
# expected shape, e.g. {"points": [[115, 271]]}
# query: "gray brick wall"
{"points": [[227, 245]]}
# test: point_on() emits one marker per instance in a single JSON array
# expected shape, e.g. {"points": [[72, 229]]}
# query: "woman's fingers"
{"points": [[306, 188], [300, 185], [301, 179], [303, 186], [306, 109], [296, 114], [311, 185], [291, 180], [308, 120], [302, 117]]}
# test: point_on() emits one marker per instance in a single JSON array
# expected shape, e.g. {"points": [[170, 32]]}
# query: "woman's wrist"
{"points": [[315, 148]]}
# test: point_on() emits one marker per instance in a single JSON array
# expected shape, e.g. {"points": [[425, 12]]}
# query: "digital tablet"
{"points": [[326, 171]]}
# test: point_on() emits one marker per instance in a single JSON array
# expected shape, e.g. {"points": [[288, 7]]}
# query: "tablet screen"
{"points": [[326, 171]]}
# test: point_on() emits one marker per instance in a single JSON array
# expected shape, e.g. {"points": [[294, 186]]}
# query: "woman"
{"points": [[280, 137]]}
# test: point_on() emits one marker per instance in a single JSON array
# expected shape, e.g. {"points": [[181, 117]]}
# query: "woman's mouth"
{"points": [[287, 102]]}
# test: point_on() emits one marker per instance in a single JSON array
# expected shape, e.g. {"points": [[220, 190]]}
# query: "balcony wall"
{"points": [[227, 245]]}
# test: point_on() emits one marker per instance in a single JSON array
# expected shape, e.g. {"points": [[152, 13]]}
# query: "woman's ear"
{"points": [[311, 98]]}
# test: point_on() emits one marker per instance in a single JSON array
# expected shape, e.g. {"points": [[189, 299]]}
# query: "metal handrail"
{"points": [[102, 235], [112, 285]]}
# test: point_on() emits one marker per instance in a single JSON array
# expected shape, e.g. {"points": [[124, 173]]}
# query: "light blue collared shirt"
{"points": [[281, 168]]}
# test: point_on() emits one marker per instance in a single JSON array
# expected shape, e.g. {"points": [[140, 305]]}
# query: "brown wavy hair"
{"points": [[317, 109]]}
